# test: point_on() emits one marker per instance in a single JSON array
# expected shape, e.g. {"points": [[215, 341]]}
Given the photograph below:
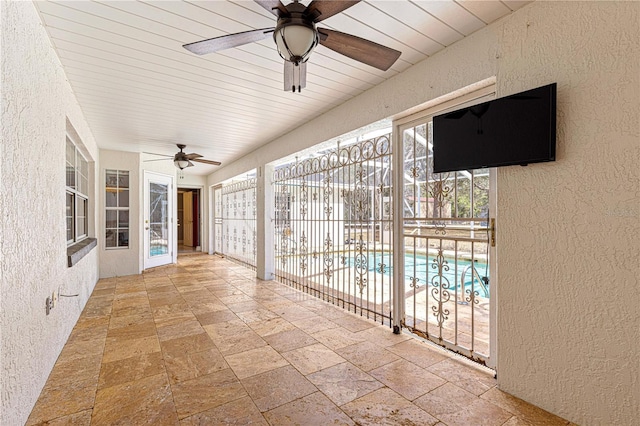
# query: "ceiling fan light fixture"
{"points": [[181, 164], [295, 40]]}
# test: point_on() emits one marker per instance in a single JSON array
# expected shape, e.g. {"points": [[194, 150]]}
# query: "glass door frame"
{"points": [[171, 256]]}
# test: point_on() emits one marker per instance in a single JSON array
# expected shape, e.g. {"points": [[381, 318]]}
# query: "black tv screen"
{"points": [[517, 129]]}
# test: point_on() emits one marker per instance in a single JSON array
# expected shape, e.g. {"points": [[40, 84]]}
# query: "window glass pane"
{"points": [[123, 238], [123, 179], [69, 213], [111, 219], [110, 238], [111, 198], [123, 218], [111, 179], [83, 165], [82, 217], [70, 164], [123, 198], [83, 184]]}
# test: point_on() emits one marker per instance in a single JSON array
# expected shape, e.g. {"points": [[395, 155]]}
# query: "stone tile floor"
{"points": [[205, 343]]}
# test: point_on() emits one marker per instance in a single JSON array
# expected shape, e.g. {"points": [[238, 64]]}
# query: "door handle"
{"points": [[146, 228]]}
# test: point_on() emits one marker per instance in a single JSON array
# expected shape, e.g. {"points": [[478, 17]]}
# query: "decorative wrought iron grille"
{"points": [[446, 244], [236, 226], [333, 226]]}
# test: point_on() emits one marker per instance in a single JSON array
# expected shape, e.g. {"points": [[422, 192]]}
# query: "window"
{"points": [[117, 209], [77, 188]]}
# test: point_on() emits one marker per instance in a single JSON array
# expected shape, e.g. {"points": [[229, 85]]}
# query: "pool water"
{"points": [[426, 270]]}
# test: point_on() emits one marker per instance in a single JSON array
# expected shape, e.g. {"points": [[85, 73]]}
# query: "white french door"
{"points": [[446, 275], [158, 220]]}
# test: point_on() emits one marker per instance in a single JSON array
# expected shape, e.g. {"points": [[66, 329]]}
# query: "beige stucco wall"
{"points": [[568, 239], [568, 231], [121, 261], [36, 101]]}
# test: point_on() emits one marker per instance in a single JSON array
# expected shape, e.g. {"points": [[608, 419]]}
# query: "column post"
{"points": [[265, 266]]}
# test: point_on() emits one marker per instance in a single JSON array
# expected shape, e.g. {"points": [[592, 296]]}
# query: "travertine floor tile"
{"points": [[289, 340], [314, 409], [386, 407], [366, 355], [271, 326], [64, 399], [344, 382], [194, 364], [216, 317], [468, 378], [134, 331], [336, 338], [130, 369], [417, 352], [116, 349], [255, 361], [457, 407], [181, 329], [83, 418], [523, 410], [147, 400], [240, 412], [314, 324], [312, 358], [162, 347], [407, 379], [187, 344], [354, 323], [206, 392], [126, 321], [277, 387]]}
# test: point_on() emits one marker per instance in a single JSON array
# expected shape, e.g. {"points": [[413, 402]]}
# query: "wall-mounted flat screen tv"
{"points": [[517, 129]]}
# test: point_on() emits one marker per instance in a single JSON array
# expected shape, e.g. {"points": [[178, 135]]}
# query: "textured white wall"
{"points": [[568, 232], [119, 262], [36, 100]]}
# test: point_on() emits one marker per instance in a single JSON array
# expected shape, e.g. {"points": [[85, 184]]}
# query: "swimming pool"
{"points": [[424, 270]]}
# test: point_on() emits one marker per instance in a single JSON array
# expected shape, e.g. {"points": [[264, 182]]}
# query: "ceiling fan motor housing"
{"points": [[295, 34]]}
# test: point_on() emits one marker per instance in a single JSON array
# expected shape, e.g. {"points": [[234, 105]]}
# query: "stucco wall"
{"points": [[36, 100], [121, 261], [568, 232]]}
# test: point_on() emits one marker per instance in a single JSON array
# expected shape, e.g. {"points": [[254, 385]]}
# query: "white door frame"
{"points": [[171, 257]]}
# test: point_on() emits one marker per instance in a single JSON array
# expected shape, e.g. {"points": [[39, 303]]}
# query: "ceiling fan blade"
{"points": [[193, 156], [320, 10], [157, 159], [227, 41], [162, 155], [201, 160], [295, 76], [273, 6], [365, 51], [190, 164]]}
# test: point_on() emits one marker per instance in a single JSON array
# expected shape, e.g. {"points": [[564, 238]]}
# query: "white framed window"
{"points": [[77, 188], [116, 209]]}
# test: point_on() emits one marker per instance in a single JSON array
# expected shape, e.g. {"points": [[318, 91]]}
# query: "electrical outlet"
{"points": [[54, 299], [48, 305]]}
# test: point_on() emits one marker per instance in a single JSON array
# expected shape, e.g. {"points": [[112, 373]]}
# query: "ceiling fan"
{"points": [[182, 160], [296, 35]]}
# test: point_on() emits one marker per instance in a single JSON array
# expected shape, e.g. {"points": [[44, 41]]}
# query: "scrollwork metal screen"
{"points": [[446, 243], [333, 226], [235, 221]]}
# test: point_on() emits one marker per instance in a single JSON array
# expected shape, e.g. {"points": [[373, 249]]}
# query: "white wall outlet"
{"points": [[54, 298]]}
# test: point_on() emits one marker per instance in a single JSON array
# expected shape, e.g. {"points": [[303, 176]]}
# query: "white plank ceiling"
{"points": [[141, 91]]}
